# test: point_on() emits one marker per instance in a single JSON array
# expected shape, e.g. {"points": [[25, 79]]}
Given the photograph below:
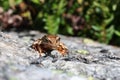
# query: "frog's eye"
{"points": [[48, 40], [58, 39], [45, 40]]}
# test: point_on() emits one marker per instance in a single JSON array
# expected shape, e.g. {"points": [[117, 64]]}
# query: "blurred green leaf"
{"points": [[110, 32], [4, 4], [36, 1], [69, 30], [96, 28], [52, 24], [17, 1], [107, 21], [117, 33]]}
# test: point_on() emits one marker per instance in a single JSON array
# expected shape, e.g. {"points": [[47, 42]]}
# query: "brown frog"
{"points": [[49, 43]]}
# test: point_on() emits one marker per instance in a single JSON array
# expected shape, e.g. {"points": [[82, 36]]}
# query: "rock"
{"points": [[19, 62]]}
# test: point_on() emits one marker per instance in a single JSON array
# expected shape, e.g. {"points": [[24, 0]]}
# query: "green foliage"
{"points": [[36, 1], [101, 17], [52, 24], [4, 4], [51, 14]]}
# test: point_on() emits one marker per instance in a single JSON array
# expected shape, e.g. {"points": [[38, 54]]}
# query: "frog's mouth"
{"points": [[49, 46], [53, 47]]}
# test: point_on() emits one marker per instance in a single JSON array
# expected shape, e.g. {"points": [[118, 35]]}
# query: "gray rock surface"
{"points": [[87, 60]]}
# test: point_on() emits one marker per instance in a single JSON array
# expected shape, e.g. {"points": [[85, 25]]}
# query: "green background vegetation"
{"points": [[96, 19]]}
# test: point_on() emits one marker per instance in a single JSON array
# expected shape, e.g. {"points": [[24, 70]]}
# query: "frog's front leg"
{"points": [[62, 49], [37, 47]]}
